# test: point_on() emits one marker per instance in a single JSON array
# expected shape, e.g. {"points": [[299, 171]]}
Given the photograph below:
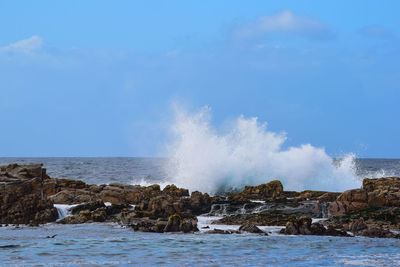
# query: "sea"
{"points": [[110, 244]]}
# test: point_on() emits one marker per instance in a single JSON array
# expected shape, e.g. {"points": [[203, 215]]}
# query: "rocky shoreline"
{"points": [[29, 196]]}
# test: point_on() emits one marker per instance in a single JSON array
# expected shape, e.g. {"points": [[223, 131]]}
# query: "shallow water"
{"points": [[110, 244]]}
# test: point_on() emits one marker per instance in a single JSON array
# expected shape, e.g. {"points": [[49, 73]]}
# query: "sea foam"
{"points": [[202, 158]]}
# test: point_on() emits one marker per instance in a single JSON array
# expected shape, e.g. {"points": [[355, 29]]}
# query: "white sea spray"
{"points": [[201, 158]]}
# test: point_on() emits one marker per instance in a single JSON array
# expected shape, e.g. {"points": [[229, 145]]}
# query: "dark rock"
{"points": [[173, 225], [91, 206], [304, 226], [251, 228]]}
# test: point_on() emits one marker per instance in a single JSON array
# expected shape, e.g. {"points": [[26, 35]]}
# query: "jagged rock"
{"points": [[22, 199], [328, 197], [251, 228], [377, 232], [86, 216], [350, 200], [69, 196], [382, 184], [380, 192], [269, 192], [304, 226], [200, 203], [357, 225], [91, 206], [173, 224], [176, 192], [149, 225]]}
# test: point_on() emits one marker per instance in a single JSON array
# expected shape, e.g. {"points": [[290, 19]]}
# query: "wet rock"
{"points": [[251, 228], [177, 224], [173, 224], [304, 226], [116, 209], [269, 218], [149, 225], [200, 203], [91, 206], [224, 232], [377, 232]]}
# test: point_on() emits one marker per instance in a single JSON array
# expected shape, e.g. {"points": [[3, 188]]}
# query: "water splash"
{"points": [[201, 158], [64, 210]]}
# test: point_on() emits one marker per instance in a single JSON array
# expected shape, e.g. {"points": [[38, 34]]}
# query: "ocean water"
{"points": [[155, 170], [112, 245]]}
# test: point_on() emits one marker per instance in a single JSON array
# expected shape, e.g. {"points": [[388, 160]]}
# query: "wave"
{"points": [[202, 158]]}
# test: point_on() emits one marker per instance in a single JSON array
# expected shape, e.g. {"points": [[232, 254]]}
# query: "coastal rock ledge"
{"points": [[29, 196]]}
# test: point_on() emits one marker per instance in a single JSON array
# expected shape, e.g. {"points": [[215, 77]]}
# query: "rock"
{"points": [[77, 196], [317, 229], [310, 195], [200, 203], [173, 225], [91, 206], [224, 232], [251, 228], [328, 197], [174, 191], [350, 200], [269, 192], [357, 225], [116, 209], [380, 192], [377, 232], [382, 184], [149, 225], [270, 218], [22, 198], [304, 226]]}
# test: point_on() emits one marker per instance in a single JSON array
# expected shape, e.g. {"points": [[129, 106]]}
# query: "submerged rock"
{"points": [[221, 231], [251, 228]]}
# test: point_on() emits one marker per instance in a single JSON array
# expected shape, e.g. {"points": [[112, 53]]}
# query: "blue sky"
{"points": [[97, 78]]}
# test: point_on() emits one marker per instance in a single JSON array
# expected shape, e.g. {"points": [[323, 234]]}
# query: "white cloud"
{"points": [[29, 45], [283, 22]]}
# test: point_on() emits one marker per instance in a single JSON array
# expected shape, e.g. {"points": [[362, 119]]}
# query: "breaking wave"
{"points": [[204, 159]]}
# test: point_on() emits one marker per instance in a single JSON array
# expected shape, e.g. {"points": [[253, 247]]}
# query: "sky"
{"points": [[98, 78]]}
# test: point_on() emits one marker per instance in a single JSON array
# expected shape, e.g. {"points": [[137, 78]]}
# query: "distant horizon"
{"points": [[138, 157]]}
